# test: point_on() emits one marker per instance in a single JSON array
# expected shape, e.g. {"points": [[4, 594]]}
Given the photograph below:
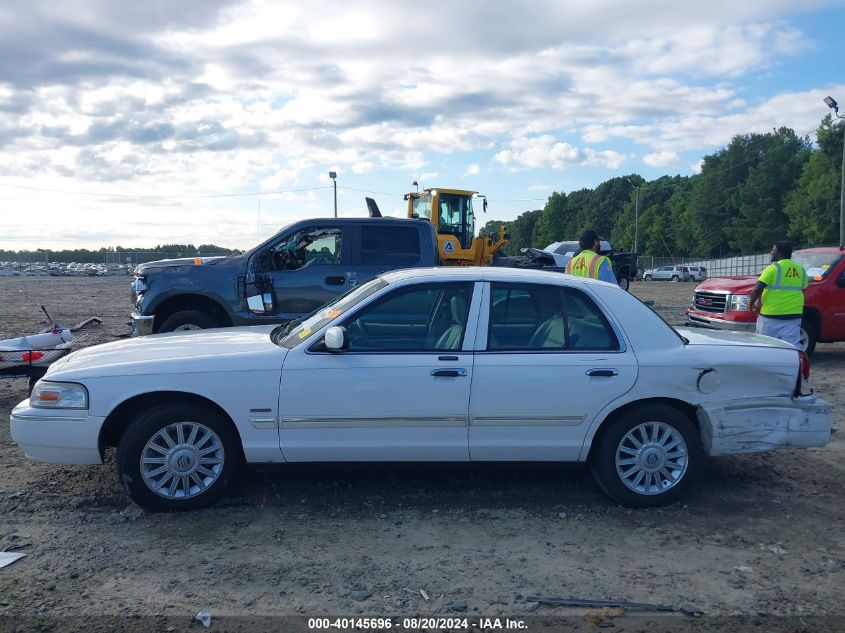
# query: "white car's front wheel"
{"points": [[179, 456], [647, 456]]}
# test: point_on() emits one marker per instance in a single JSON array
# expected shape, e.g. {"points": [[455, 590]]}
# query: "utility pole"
{"points": [[831, 103], [636, 213], [333, 176]]}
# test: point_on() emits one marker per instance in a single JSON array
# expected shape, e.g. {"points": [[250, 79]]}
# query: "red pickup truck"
{"points": [[722, 302]]}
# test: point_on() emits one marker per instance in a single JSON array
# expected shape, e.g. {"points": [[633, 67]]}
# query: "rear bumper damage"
{"points": [[765, 424]]}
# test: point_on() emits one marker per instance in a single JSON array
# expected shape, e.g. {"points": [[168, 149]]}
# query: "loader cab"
{"points": [[452, 212]]}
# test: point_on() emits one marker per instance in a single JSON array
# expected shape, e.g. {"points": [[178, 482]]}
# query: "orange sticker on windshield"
{"points": [[332, 314]]}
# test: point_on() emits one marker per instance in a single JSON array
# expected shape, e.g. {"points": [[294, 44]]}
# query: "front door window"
{"points": [[430, 317]]}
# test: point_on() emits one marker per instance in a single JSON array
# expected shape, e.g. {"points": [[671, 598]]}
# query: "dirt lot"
{"points": [[757, 534]]}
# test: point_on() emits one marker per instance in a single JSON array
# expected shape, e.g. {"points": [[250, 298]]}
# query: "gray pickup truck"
{"points": [[302, 267]]}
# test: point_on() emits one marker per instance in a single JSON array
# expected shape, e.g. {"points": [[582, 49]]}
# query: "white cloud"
{"points": [[247, 95], [660, 159], [547, 152]]}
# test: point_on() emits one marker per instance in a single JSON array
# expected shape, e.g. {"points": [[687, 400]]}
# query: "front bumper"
{"points": [[766, 424], [142, 325], [57, 436], [695, 319]]}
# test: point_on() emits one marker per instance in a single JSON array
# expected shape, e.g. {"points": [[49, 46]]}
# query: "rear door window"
{"points": [[392, 246]]}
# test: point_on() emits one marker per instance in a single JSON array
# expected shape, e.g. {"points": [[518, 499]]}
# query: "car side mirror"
{"points": [[260, 304], [336, 339]]}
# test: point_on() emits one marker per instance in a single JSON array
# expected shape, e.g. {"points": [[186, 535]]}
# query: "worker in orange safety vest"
{"points": [[588, 263]]}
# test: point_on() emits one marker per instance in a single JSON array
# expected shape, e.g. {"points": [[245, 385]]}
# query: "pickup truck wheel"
{"points": [[808, 336], [624, 283], [648, 277], [186, 320], [647, 457], [178, 457]]}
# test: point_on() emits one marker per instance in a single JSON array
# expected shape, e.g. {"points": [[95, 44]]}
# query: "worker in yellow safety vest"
{"points": [[780, 294], [588, 263]]}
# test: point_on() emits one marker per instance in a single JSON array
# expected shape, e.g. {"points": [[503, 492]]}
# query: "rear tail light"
{"points": [[28, 357], [804, 364]]}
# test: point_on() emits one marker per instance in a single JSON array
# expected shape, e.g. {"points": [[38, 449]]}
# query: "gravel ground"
{"points": [[758, 534]]}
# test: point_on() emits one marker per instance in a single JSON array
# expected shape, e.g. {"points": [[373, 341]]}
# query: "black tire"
{"points": [[147, 425], [603, 462], [624, 283], [809, 329], [675, 278], [647, 277], [188, 320]]}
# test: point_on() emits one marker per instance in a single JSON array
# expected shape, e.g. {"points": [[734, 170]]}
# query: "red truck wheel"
{"points": [[809, 336]]}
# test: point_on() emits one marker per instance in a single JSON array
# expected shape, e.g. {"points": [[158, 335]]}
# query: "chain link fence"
{"points": [[724, 267], [52, 263]]}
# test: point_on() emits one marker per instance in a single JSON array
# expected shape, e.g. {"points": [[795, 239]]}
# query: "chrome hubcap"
{"points": [[651, 458], [803, 340], [182, 460]]}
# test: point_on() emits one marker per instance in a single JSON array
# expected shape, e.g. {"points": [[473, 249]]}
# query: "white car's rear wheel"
{"points": [[647, 456], [178, 456]]}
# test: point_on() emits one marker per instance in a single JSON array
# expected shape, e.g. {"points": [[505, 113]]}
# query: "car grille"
{"points": [[710, 301]]}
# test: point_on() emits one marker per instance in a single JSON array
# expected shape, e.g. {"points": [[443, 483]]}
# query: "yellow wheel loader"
{"points": [[453, 215]]}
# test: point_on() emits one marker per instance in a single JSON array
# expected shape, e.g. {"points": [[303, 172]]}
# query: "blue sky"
{"points": [[142, 123]]}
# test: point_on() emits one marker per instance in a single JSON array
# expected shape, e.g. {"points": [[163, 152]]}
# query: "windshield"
{"points": [[329, 312], [817, 265], [422, 207]]}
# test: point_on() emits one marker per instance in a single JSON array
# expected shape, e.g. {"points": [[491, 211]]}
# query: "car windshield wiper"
{"points": [[283, 329]]}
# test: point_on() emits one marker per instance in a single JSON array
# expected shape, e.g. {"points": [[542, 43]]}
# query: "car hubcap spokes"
{"points": [[651, 458], [182, 460]]}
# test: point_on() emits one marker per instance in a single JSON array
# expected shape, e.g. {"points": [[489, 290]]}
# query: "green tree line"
{"points": [[758, 189], [89, 255]]}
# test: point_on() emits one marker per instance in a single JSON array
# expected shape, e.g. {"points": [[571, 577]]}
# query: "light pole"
{"points": [[636, 212], [333, 176], [831, 103]]}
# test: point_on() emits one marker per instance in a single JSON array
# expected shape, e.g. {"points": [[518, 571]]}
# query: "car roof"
{"points": [[821, 249], [485, 273]]}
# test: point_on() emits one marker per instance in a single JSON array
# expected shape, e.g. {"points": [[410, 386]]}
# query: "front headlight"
{"points": [[58, 395], [139, 285], [739, 302]]}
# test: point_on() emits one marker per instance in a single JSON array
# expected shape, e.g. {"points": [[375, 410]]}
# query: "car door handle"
{"points": [[449, 373], [603, 372], [337, 280]]}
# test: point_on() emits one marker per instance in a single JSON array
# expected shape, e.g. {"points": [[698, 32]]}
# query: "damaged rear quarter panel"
{"points": [[751, 426], [743, 396]]}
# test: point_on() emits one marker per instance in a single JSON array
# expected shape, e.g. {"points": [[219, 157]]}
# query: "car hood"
{"points": [[738, 285], [182, 261], [702, 336], [225, 349]]}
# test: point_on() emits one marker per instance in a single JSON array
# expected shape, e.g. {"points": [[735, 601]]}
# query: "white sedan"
{"points": [[468, 364]]}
